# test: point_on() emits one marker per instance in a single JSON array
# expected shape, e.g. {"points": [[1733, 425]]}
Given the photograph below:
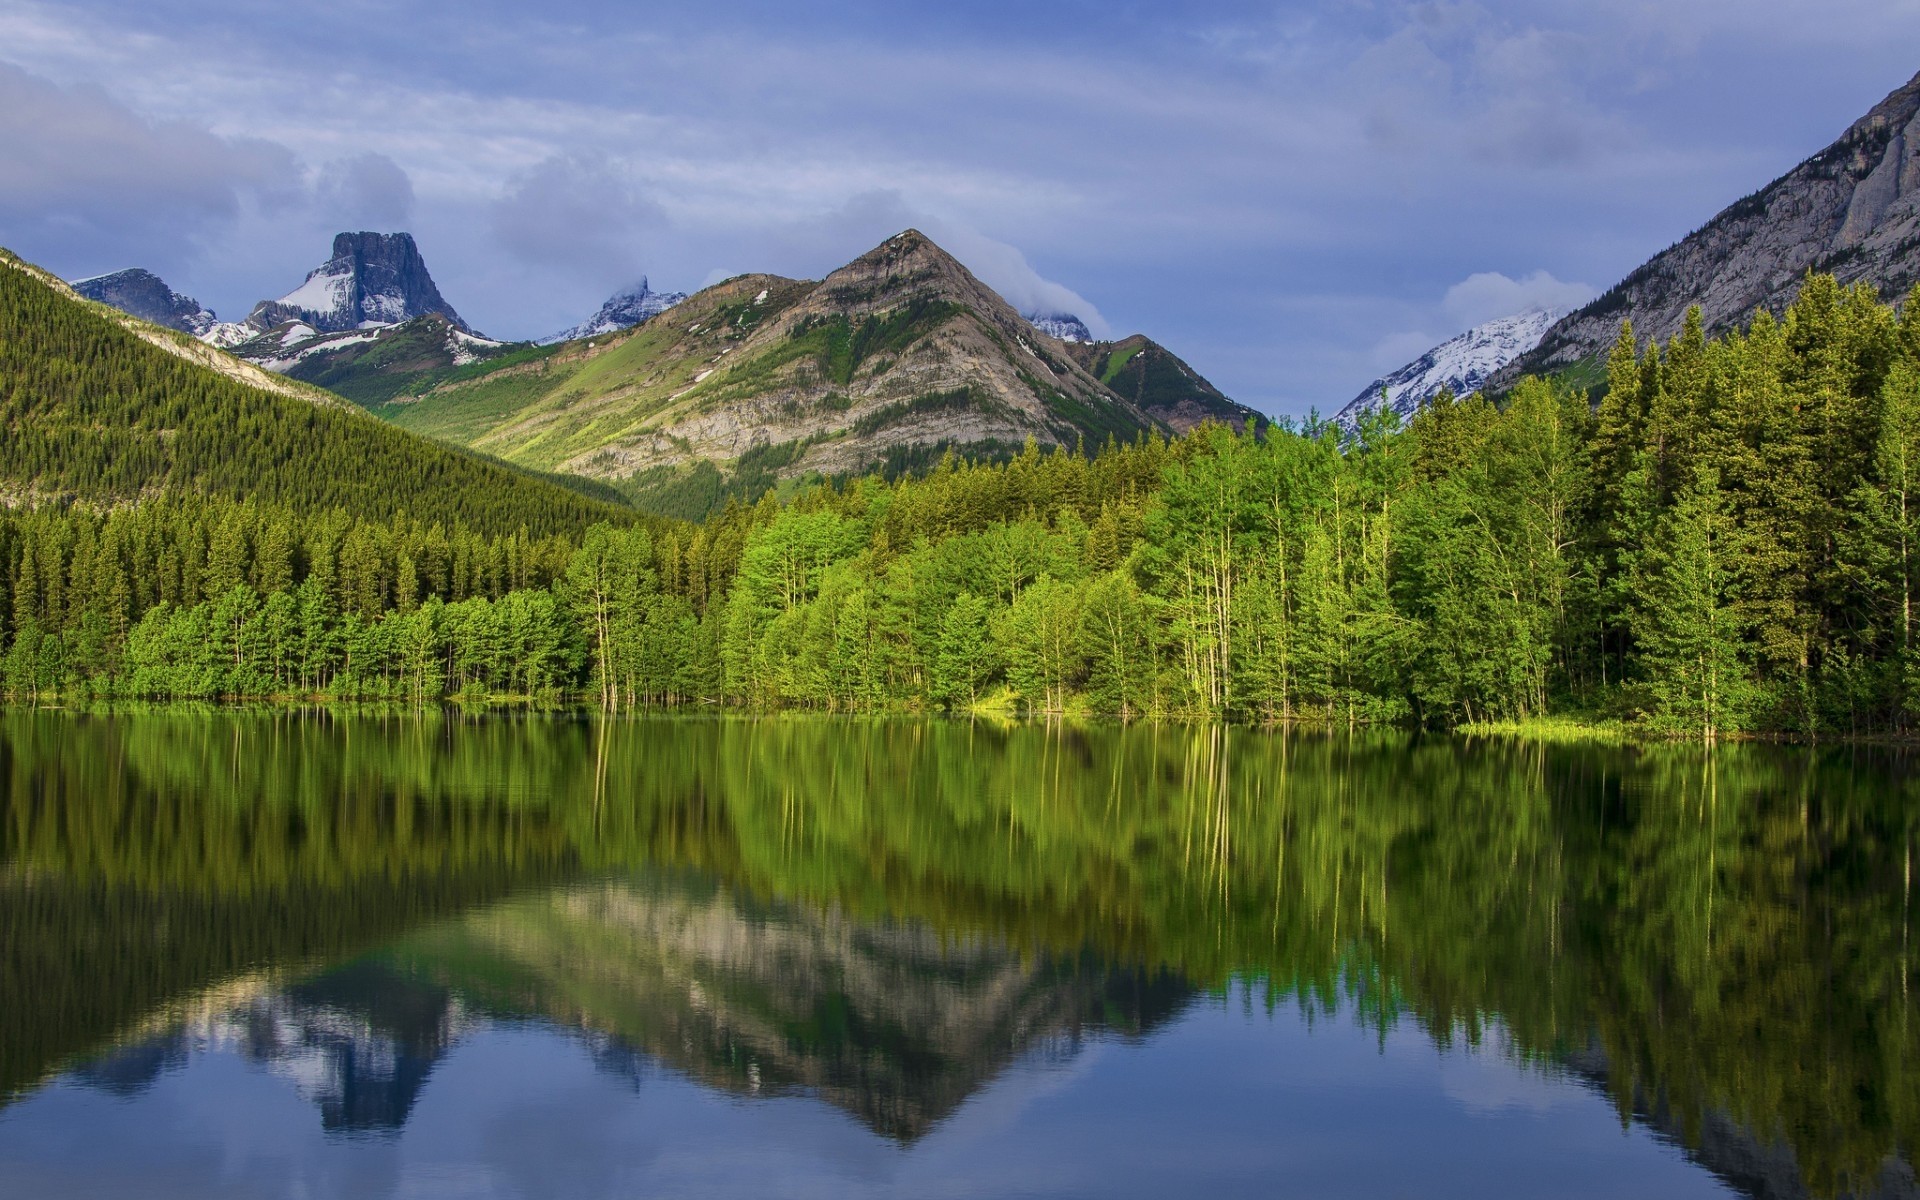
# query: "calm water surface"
{"points": [[320, 955]]}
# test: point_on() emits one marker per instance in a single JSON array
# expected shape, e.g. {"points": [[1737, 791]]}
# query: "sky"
{"points": [[1294, 197]]}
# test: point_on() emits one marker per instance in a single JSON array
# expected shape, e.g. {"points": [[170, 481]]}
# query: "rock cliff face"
{"points": [[145, 295], [1853, 210], [372, 279]]}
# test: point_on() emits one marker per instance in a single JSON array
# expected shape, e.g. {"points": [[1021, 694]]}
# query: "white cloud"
{"points": [[1396, 350], [580, 214], [367, 191], [1489, 295], [90, 185]]}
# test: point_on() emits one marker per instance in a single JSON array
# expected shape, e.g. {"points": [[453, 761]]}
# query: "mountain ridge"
{"points": [[1851, 210], [887, 362], [1461, 365]]}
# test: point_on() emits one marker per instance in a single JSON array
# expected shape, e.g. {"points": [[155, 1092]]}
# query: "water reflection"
{"points": [[890, 918]]}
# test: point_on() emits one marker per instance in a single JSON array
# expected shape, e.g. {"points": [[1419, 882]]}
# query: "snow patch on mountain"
{"points": [[226, 334], [623, 310], [1065, 326], [327, 292], [1460, 365]]}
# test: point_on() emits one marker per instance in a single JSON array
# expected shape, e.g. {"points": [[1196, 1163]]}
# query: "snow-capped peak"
{"points": [[1461, 365], [372, 280], [623, 310], [1065, 326]]}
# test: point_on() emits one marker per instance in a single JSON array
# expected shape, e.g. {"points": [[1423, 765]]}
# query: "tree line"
{"points": [[1724, 542]]}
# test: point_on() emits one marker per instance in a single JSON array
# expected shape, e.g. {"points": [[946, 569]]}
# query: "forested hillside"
{"points": [[1725, 544], [90, 412]]}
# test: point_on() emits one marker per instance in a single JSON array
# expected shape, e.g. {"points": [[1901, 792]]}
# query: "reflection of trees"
{"points": [[1733, 926]]}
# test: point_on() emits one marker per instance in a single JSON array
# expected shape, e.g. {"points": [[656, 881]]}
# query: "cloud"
{"points": [[368, 191], [1489, 295], [578, 214], [90, 185], [1398, 349], [1006, 270]]}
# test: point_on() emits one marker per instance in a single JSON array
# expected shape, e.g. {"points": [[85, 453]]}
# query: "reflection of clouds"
{"points": [[1485, 1082]]}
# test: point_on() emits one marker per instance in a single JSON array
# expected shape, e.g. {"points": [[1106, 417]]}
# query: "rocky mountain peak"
{"points": [[625, 309], [145, 295], [371, 279], [908, 266], [1065, 326]]}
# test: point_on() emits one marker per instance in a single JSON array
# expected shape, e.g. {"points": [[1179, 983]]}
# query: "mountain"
{"points": [[100, 407], [887, 362], [372, 279], [1460, 365], [1155, 380], [623, 310], [1852, 210], [145, 295], [1064, 326]]}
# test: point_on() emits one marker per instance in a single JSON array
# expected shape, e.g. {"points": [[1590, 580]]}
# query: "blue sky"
{"points": [[1294, 197]]}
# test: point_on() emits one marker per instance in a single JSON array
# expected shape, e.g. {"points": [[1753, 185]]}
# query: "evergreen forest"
{"points": [[1720, 540]]}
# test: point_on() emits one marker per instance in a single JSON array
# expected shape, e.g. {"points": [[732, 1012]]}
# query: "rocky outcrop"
{"points": [[1852, 210], [372, 279], [1064, 326], [145, 295]]}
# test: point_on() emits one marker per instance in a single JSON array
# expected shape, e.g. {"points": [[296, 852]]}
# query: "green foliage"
{"points": [[1725, 544]]}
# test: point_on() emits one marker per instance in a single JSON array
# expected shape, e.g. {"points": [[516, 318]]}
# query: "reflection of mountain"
{"points": [[358, 1042], [890, 1022], [1754, 1166]]}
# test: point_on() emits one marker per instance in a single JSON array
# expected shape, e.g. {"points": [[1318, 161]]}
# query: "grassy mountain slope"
{"points": [[886, 362], [100, 407]]}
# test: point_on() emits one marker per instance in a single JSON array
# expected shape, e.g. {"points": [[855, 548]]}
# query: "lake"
{"points": [[324, 954]]}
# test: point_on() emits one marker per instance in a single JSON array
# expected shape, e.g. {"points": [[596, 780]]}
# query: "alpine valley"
{"points": [[684, 401]]}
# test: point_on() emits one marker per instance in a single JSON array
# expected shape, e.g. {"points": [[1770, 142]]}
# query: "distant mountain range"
{"points": [[887, 362], [145, 295], [1065, 326]]}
